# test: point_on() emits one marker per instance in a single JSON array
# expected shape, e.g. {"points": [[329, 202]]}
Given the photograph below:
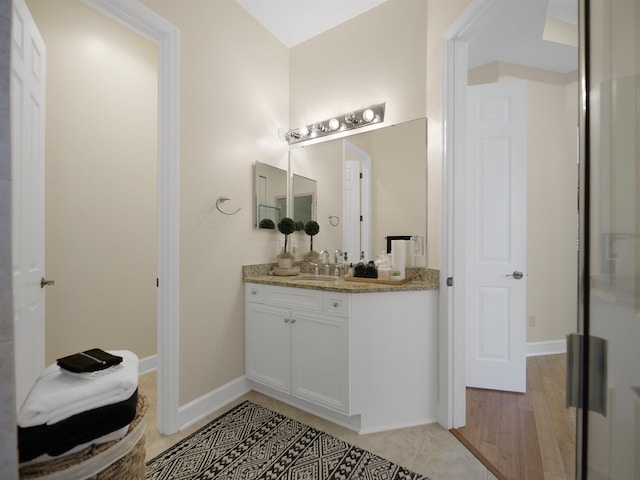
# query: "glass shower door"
{"points": [[609, 432]]}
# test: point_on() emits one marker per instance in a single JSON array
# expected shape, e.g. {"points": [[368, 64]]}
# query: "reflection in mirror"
{"points": [[305, 192], [270, 195], [391, 196]]}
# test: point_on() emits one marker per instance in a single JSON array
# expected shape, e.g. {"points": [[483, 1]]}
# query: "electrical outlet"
{"points": [[532, 320]]}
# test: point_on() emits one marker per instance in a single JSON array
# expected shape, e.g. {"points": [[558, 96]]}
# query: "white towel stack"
{"points": [[57, 395]]}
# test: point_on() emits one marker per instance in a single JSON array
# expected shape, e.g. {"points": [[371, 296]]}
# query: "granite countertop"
{"points": [[421, 279]]}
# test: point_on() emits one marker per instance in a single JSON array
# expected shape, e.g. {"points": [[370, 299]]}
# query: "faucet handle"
{"points": [[316, 272]]}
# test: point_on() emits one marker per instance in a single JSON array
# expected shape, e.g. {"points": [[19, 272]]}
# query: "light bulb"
{"points": [[350, 117], [368, 115], [334, 124], [304, 131]]}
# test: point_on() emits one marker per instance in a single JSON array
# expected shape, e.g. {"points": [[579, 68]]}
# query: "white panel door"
{"points": [[357, 202], [351, 216], [496, 244], [27, 163]]}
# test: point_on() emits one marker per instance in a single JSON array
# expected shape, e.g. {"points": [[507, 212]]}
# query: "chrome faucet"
{"points": [[337, 255], [315, 270]]}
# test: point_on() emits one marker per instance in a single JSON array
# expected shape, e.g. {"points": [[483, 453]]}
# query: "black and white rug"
{"points": [[252, 442]]}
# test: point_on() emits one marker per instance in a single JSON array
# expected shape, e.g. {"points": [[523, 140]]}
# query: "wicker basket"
{"points": [[129, 467]]}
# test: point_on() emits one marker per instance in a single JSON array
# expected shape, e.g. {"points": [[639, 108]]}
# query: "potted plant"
{"points": [[311, 228], [286, 226], [267, 223]]}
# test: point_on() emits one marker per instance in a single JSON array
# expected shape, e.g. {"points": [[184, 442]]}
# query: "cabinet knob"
{"points": [[254, 291], [336, 304], [286, 320], [293, 320]]}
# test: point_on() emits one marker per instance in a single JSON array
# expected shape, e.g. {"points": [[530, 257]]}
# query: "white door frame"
{"points": [[144, 21], [452, 384]]}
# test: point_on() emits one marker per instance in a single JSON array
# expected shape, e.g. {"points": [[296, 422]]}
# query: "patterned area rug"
{"points": [[252, 442]]}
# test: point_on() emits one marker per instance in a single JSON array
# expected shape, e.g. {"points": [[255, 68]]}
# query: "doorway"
{"points": [[150, 25], [101, 202], [357, 201], [551, 183], [166, 36], [457, 77]]}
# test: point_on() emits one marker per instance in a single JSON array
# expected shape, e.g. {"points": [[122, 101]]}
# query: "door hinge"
{"points": [[361, 218], [361, 175], [449, 281], [157, 282]]}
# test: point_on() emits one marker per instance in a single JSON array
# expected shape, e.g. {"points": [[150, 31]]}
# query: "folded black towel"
{"points": [[89, 361], [84, 427]]}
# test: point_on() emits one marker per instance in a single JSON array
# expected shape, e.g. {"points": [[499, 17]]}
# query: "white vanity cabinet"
{"points": [[367, 361], [297, 342]]}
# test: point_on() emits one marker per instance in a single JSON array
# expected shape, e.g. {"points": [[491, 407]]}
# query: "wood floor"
{"points": [[524, 436]]}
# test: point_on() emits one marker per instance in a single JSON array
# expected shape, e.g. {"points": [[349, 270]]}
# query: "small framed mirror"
{"points": [[270, 195]]}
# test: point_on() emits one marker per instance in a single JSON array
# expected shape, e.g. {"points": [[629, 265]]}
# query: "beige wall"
{"points": [[376, 57], [234, 97], [101, 149], [551, 196]]}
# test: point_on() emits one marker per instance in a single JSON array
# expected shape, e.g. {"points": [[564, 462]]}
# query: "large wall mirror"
{"points": [[357, 212], [270, 195]]}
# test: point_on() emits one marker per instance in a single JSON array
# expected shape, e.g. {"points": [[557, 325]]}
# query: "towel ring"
{"points": [[222, 200], [334, 220]]}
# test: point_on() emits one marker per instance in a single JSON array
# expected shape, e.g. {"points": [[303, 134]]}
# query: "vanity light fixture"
{"points": [[304, 131], [351, 120]]}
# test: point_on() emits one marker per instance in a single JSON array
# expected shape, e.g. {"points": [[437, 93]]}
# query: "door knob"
{"points": [[516, 274], [44, 282]]}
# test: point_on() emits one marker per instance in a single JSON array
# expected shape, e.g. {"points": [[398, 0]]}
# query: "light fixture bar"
{"points": [[348, 121]]}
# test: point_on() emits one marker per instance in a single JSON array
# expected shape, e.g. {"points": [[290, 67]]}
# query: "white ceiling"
{"points": [[514, 36], [294, 21]]}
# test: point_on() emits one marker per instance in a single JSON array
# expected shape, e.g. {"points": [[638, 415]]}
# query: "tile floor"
{"points": [[430, 449]]}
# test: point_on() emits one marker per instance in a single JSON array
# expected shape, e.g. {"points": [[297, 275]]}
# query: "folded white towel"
{"points": [[56, 395], [93, 375]]}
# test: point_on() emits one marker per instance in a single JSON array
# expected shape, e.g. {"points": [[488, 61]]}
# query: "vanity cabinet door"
{"points": [[268, 345], [320, 359]]}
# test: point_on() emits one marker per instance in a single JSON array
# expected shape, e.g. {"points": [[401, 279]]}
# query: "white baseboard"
{"points": [[207, 404], [148, 364], [550, 347]]}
